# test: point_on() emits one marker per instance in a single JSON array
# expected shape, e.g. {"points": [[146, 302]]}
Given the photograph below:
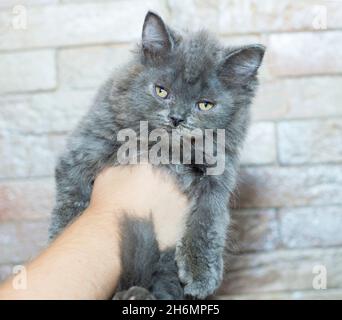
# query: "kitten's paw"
{"points": [[199, 277], [201, 288], [184, 272], [134, 293]]}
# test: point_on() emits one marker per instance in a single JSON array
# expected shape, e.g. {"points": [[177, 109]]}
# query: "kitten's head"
{"points": [[191, 81]]}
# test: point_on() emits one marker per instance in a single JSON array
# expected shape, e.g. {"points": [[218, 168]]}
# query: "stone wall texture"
{"points": [[287, 216]]}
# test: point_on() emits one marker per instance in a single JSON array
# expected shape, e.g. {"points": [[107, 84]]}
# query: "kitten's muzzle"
{"points": [[176, 119]]}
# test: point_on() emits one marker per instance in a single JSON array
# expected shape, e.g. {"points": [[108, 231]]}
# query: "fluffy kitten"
{"points": [[165, 82]]}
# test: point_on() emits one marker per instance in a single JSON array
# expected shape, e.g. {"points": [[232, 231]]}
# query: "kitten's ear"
{"points": [[241, 64], [156, 40]]}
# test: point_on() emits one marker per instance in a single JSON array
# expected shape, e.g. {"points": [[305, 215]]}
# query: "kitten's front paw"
{"points": [[134, 293], [200, 278], [201, 288]]}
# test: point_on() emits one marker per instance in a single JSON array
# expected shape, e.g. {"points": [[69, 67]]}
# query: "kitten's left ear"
{"points": [[241, 64], [156, 40]]}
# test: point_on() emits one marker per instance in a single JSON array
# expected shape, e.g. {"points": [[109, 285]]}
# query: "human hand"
{"points": [[142, 191]]}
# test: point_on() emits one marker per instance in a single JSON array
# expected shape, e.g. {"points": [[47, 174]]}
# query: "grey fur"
{"points": [[146, 267], [191, 66]]}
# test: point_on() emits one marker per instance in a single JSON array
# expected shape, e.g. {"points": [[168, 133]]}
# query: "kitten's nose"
{"points": [[176, 119]]}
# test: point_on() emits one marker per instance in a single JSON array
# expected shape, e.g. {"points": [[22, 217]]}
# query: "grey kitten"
{"points": [[167, 78]]}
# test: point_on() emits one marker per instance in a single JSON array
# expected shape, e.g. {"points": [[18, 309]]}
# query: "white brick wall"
{"points": [[316, 231], [43, 113], [260, 144], [86, 67], [288, 205], [78, 24], [27, 71], [310, 141], [294, 98], [321, 57]]}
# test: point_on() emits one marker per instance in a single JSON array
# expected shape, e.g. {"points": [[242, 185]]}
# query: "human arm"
{"points": [[84, 260]]}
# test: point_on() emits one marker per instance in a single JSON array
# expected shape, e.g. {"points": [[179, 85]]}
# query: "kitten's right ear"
{"points": [[156, 40], [241, 64]]}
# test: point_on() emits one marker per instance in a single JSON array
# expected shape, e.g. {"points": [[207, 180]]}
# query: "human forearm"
{"points": [[82, 263], [84, 260]]}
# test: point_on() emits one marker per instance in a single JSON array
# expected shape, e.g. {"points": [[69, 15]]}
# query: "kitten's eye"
{"points": [[204, 105], [161, 92]]}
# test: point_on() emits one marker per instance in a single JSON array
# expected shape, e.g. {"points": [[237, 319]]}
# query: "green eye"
{"points": [[204, 105], [161, 92]]}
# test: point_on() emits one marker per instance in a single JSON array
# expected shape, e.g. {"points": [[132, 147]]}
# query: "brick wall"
{"points": [[288, 215]]}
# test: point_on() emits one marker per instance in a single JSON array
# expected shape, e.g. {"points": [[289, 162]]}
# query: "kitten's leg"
{"points": [[199, 254], [73, 194], [165, 281], [134, 293], [145, 268]]}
